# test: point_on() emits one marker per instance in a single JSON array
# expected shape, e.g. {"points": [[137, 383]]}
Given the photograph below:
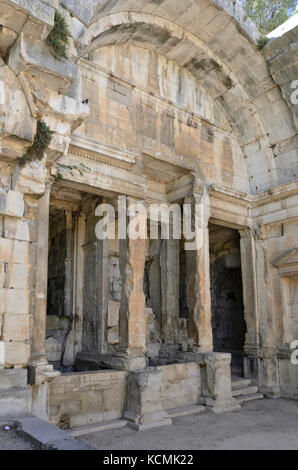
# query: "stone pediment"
{"points": [[287, 264]]}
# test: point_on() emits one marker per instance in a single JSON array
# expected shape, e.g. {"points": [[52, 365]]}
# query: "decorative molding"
{"points": [[287, 264], [279, 193]]}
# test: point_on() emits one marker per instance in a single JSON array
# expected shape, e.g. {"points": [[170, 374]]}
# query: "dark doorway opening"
{"points": [[228, 323]]}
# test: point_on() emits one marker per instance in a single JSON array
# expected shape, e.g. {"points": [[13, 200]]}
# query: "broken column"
{"points": [[143, 400], [217, 384]]}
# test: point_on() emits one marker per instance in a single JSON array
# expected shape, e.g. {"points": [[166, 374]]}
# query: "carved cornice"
{"points": [[280, 193], [287, 264]]}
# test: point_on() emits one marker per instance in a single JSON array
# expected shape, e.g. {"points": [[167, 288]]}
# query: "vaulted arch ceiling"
{"points": [[215, 43]]}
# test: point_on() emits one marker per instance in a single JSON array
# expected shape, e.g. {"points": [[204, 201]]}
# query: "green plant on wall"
{"points": [[70, 168], [262, 41], [59, 38], [41, 142], [269, 14]]}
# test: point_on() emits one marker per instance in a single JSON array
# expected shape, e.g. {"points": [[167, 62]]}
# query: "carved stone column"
{"points": [[132, 316], [216, 383], [130, 353], [198, 277]]}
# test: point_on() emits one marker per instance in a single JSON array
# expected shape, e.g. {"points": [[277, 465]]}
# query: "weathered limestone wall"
{"points": [[17, 254], [214, 41], [180, 385], [86, 398], [281, 54], [137, 109]]}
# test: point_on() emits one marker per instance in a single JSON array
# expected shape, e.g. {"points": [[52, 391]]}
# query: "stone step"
{"points": [[245, 391], [15, 401], [185, 410], [245, 398], [48, 437], [240, 383], [90, 428]]}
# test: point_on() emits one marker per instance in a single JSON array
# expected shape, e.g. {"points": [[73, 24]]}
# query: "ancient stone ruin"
{"points": [[159, 102]]}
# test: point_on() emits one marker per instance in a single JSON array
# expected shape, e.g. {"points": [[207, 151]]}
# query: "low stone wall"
{"points": [[82, 398], [180, 385], [288, 379]]}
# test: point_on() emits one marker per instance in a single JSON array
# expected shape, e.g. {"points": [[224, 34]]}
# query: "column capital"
{"points": [[258, 232]]}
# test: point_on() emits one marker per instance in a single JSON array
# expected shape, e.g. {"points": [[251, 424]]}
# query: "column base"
{"points": [[141, 423], [270, 392], [251, 368], [221, 406]]}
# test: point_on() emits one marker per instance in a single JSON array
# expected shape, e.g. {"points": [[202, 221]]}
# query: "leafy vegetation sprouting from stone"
{"points": [[59, 38], [70, 168], [269, 14], [262, 41], [40, 144]]}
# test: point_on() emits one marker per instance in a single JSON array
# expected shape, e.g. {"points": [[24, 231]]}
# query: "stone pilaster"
{"points": [[169, 260], [250, 300], [74, 339], [38, 352], [102, 256], [261, 363], [68, 284]]}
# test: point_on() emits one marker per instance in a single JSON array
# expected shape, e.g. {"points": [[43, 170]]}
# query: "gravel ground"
{"points": [[10, 440], [263, 424]]}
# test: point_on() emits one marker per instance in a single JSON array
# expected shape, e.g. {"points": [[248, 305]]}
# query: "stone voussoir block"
{"points": [[11, 203], [30, 53], [22, 230]]}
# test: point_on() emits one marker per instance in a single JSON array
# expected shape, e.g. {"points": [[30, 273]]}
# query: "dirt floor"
{"points": [[262, 424]]}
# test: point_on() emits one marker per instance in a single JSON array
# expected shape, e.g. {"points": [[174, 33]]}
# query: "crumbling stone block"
{"points": [[143, 402], [11, 203]]}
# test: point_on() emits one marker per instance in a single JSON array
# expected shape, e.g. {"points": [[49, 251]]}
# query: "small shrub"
{"points": [[41, 142], [261, 42], [59, 38]]}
